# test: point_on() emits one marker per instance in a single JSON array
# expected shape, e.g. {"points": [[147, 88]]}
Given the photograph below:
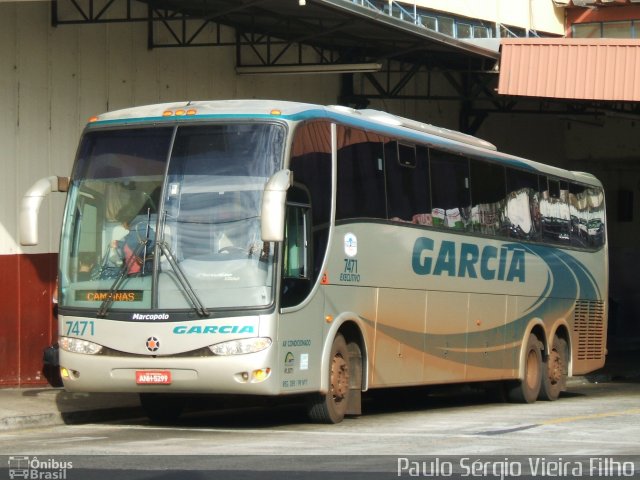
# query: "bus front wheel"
{"points": [[555, 370], [332, 407], [528, 389]]}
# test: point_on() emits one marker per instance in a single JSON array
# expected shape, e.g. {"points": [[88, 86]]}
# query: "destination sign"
{"points": [[102, 295]]}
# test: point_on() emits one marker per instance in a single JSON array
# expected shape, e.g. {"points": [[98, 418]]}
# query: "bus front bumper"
{"points": [[249, 374]]}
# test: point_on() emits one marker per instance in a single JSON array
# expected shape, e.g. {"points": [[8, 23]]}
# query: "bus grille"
{"points": [[588, 324], [201, 352]]}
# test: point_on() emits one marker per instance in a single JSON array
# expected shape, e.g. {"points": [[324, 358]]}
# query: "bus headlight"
{"points": [[242, 346], [77, 345]]}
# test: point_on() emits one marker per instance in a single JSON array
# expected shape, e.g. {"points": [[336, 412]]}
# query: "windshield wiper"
{"points": [[126, 265], [146, 240], [115, 286], [184, 282]]}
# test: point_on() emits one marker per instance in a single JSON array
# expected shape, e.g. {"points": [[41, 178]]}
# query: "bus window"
{"points": [[295, 259], [488, 197], [587, 216], [296, 277], [595, 226], [406, 155], [554, 212], [407, 179], [579, 210], [361, 191], [522, 210], [311, 167], [449, 189], [86, 254]]}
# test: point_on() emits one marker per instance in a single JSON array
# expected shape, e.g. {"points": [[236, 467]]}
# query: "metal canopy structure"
{"points": [[338, 36], [339, 31], [310, 36], [353, 31]]}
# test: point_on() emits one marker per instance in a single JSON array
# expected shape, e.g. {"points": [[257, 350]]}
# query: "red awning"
{"points": [[592, 3], [574, 68]]}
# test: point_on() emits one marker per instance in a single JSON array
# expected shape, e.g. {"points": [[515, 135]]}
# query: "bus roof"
{"points": [[367, 119]]}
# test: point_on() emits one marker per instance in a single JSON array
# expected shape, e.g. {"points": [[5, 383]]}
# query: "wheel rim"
{"points": [[532, 369], [339, 378]]}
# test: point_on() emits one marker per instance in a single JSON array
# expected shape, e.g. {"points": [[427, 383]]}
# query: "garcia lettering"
{"points": [[468, 260], [208, 329]]}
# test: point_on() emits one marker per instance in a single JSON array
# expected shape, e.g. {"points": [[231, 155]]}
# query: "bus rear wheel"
{"points": [[528, 389], [555, 370], [332, 407]]}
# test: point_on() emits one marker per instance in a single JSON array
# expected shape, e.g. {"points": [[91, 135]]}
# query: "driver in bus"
{"points": [[136, 247]]}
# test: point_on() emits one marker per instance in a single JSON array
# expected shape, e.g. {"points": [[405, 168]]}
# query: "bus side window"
{"points": [[361, 189], [449, 189], [579, 211], [522, 212], [554, 211], [311, 168], [407, 182], [487, 196], [596, 230], [587, 217], [295, 258], [297, 276]]}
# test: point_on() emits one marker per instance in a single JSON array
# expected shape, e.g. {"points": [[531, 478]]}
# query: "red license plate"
{"points": [[153, 377]]}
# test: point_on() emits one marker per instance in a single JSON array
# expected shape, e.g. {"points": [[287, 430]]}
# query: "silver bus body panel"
{"points": [[426, 328]]}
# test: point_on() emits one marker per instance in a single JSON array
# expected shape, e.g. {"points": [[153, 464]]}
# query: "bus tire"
{"points": [[332, 407], [528, 389], [555, 370], [162, 408]]}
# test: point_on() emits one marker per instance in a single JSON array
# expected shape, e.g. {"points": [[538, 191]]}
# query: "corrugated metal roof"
{"points": [[589, 69], [589, 3]]}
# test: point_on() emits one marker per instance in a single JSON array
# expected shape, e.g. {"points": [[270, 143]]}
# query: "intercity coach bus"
{"points": [[273, 248]]}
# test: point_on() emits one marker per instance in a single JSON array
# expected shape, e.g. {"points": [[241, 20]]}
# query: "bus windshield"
{"points": [[168, 218]]}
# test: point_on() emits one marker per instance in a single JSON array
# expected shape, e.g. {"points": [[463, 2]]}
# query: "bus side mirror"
{"points": [[31, 206], [274, 204]]}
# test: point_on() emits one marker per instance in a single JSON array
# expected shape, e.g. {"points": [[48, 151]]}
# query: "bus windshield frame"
{"points": [[167, 218]]}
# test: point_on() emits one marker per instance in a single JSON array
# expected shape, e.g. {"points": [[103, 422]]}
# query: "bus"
{"points": [[271, 248]]}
